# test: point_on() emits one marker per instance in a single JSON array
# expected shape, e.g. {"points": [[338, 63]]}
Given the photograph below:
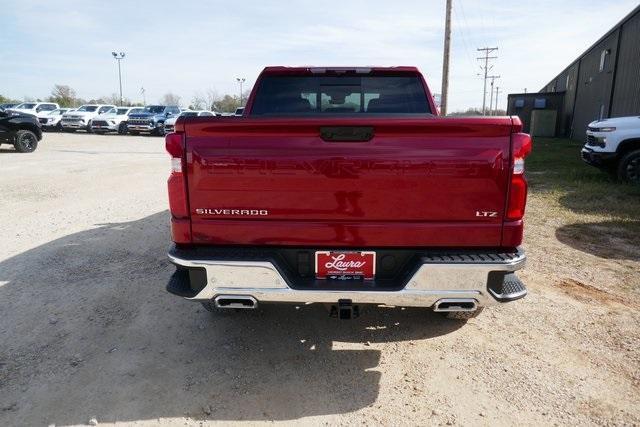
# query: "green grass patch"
{"points": [[556, 172]]}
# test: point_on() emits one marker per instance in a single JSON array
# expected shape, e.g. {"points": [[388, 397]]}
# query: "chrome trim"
{"points": [[254, 302], [438, 305], [432, 282]]}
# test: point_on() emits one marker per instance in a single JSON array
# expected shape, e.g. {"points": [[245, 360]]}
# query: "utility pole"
{"points": [[444, 96], [119, 57], [497, 93], [487, 51], [144, 98], [493, 79], [240, 80]]}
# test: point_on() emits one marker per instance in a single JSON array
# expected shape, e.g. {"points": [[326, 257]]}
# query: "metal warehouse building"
{"points": [[603, 82]]}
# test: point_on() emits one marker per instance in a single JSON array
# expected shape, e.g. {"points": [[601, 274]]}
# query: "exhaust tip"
{"points": [[235, 301], [455, 304]]}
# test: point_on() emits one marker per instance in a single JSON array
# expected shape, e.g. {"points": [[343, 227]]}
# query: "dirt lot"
{"points": [[87, 330]]}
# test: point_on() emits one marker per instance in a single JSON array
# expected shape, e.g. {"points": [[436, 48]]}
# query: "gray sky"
{"points": [[188, 47]]}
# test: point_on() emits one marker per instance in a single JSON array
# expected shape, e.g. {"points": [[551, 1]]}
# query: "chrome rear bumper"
{"points": [[437, 278]]}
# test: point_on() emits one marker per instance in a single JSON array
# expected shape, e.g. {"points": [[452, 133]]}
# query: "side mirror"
{"points": [[167, 114]]}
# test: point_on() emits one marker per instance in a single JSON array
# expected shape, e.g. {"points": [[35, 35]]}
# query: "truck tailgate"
{"points": [[416, 182]]}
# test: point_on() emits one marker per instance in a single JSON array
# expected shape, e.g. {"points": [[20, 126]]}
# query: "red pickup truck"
{"points": [[342, 186]]}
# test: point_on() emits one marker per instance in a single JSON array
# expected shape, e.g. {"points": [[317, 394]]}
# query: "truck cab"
{"points": [[35, 108]]}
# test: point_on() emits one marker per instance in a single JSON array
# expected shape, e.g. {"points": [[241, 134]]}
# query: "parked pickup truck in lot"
{"points": [[343, 187], [81, 117], [21, 130], [152, 119], [35, 108], [114, 120], [614, 145]]}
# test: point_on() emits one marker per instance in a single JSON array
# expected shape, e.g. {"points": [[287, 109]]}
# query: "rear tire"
{"points": [[629, 167], [463, 315], [26, 141], [122, 129]]}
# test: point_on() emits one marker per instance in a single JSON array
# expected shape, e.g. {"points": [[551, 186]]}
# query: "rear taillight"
{"points": [[174, 142], [521, 147], [177, 185]]}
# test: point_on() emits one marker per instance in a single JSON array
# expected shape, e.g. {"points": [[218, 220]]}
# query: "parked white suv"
{"points": [[35, 107], [51, 120], [169, 124], [614, 145], [81, 118], [114, 120]]}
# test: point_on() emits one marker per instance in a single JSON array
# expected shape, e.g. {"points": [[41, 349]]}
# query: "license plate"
{"points": [[345, 265]]}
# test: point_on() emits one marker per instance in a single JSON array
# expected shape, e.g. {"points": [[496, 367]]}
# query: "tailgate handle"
{"points": [[346, 133]]}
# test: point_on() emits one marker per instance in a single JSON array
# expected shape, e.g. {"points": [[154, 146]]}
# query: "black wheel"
{"points": [[629, 167], [26, 141], [88, 128], [463, 315], [122, 128], [58, 127]]}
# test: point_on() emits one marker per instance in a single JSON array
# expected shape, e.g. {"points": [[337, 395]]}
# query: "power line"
{"points": [[487, 51], [463, 29]]}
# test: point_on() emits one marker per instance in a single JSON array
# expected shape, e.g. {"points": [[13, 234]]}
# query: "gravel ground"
{"points": [[88, 333]]}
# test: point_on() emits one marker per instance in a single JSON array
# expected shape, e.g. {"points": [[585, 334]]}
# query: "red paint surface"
{"points": [[419, 182]]}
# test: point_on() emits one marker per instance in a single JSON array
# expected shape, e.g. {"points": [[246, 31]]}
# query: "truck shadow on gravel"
{"points": [[88, 331], [606, 239]]}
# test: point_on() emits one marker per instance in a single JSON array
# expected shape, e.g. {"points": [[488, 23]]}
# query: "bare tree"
{"points": [[170, 99], [198, 102], [212, 98], [64, 95], [227, 104]]}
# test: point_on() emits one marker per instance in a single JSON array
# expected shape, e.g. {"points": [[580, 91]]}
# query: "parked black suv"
{"points": [[21, 130]]}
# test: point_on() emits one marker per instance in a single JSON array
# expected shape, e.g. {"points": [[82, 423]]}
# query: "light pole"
{"points": [[119, 57], [240, 80]]}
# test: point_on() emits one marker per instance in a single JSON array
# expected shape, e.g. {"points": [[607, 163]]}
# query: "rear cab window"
{"points": [[340, 95]]}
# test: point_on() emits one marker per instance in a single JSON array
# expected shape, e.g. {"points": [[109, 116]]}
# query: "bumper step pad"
{"points": [[510, 289]]}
